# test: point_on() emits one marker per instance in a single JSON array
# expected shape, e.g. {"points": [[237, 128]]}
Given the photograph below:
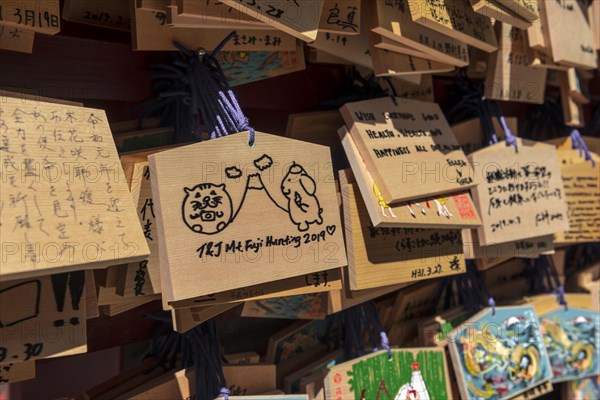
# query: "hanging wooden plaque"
{"points": [[510, 340], [112, 14], [352, 48], [42, 317], [17, 39], [389, 63], [571, 35], [298, 18], [152, 32], [526, 248], [64, 203], [510, 76], [341, 16], [17, 372], [303, 306], [455, 18], [500, 13], [582, 194], [387, 256], [42, 16], [241, 215], [423, 213], [143, 277], [408, 148], [571, 335], [317, 282], [419, 373], [527, 9], [213, 10], [521, 194], [392, 20]]}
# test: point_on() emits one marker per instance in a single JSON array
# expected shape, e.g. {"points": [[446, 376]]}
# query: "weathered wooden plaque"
{"points": [[527, 9], [241, 215], [17, 372], [112, 14], [64, 202], [500, 13]]}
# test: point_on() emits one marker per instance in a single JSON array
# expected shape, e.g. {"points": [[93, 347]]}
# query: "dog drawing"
{"points": [[303, 206]]}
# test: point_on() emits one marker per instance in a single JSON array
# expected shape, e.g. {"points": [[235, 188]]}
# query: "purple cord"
{"points": [[560, 297], [579, 144], [492, 303], [509, 138], [385, 344]]}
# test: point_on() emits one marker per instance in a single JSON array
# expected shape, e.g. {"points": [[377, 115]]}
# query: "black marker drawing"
{"points": [[303, 205], [208, 208], [28, 293], [76, 282]]}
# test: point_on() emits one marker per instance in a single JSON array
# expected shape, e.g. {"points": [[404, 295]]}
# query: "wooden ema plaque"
{"points": [[17, 39], [213, 10], [387, 256], [42, 317], [526, 9], [317, 282], [152, 32], [17, 372], [389, 63], [353, 48], [417, 373], [510, 76], [571, 35], [64, 203], [521, 195], [42, 16], [408, 148], [581, 322], [498, 12], [143, 277], [582, 194], [242, 215], [459, 211], [111, 14], [177, 20], [303, 306], [455, 18], [506, 347], [298, 18], [526, 248], [341, 17], [392, 20]]}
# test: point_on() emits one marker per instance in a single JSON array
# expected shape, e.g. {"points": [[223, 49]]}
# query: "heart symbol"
{"points": [[330, 229]]}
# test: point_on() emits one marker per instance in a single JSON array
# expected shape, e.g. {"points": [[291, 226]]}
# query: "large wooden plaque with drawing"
{"points": [[239, 215]]}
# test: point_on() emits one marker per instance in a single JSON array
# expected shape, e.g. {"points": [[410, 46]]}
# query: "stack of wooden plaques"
{"points": [[408, 237]]}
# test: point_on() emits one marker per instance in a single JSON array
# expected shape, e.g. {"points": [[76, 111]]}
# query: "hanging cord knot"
{"points": [[195, 96], [492, 303], [579, 144], [560, 297], [224, 394]]}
